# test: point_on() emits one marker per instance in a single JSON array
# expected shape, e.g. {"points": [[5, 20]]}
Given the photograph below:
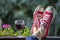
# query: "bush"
{"points": [[10, 32]]}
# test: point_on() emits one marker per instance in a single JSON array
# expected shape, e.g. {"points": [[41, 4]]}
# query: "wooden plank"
{"points": [[23, 38]]}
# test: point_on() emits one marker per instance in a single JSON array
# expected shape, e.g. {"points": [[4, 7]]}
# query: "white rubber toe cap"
{"points": [[49, 9]]}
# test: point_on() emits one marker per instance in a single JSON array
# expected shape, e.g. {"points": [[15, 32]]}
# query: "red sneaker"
{"points": [[39, 10], [47, 18], [37, 15]]}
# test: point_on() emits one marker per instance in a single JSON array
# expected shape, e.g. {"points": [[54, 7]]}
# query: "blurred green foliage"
{"points": [[11, 32]]}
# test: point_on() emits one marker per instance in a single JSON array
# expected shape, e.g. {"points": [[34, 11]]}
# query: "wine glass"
{"points": [[20, 24]]}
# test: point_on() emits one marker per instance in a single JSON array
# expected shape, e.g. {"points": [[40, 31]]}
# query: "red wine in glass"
{"points": [[19, 24]]}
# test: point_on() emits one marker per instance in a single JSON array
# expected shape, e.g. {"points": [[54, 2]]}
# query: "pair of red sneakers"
{"points": [[42, 18]]}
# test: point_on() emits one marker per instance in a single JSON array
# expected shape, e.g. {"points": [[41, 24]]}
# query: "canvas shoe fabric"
{"points": [[47, 18], [36, 23]]}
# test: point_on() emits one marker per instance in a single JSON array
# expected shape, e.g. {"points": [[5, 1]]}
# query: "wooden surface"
{"points": [[23, 38]]}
